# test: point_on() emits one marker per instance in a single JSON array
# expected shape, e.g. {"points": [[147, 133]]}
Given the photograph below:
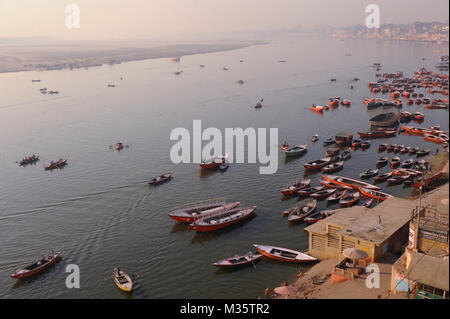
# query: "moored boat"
{"points": [[407, 163], [369, 173], [213, 163], [301, 211], [310, 190], [316, 164], [350, 198], [377, 195], [382, 161], [398, 179], [323, 193], [349, 182], [377, 134], [284, 254], [382, 147], [331, 168], [222, 219], [189, 212], [294, 186], [433, 138], [238, 260], [395, 162], [382, 177]]}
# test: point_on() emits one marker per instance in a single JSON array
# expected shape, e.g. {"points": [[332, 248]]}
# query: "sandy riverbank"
{"points": [[22, 55], [317, 283]]}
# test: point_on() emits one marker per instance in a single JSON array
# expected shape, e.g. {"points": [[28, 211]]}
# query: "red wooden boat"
{"points": [[37, 266], [284, 254], [428, 180], [382, 177], [395, 162], [399, 179], [213, 163], [189, 212], [293, 187], [323, 193], [316, 164], [377, 134], [310, 190], [382, 147], [222, 219], [349, 182]]}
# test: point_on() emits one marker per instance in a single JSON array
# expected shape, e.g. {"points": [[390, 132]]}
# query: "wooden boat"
{"points": [[188, 213], [37, 266], [222, 219], [377, 134], [122, 280], [356, 143], [160, 179], [427, 181], [406, 171], [385, 119], [382, 161], [397, 149], [293, 187], [377, 195], [344, 138], [433, 138], [314, 218], [315, 138], [329, 141], [332, 151], [223, 166], [58, 164], [331, 168], [418, 116], [398, 179], [296, 150], [336, 195], [238, 261], [346, 155], [316, 164], [213, 163], [382, 177], [284, 254], [403, 149], [405, 115], [323, 193], [369, 173], [413, 150], [349, 199], [368, 203], [408, 163], [423, 152], [302, 211], [382, 147], [310, 190], [365, 145], [29, 160], [395, 162], [391, 148], [349, 182]]}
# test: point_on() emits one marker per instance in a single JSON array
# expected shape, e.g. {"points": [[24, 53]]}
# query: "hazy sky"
{"points": [[156, 19]]}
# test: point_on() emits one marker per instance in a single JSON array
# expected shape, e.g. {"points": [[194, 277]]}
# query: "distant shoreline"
{"points": [[22, 58]]}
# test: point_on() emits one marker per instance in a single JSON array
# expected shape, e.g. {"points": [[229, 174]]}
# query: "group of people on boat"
{"points": [[29, 159], [58, 163]]}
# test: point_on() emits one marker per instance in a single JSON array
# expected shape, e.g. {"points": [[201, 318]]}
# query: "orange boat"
{"points": [[334, 103], [346, 102], [348, 182], [418, 116], [369, 193], [433, 138], [318, 108]]}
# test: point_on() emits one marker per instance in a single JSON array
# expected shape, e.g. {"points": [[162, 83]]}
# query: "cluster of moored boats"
{"points": [[333, 102]]}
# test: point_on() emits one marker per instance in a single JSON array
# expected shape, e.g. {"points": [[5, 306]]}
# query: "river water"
{"points": [[99, 210]]}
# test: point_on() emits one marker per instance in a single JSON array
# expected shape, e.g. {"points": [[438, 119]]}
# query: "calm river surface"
{"points": [[99, 210]]}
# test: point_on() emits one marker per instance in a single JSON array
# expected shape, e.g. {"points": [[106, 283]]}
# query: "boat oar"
{"points": [[254, 266]]}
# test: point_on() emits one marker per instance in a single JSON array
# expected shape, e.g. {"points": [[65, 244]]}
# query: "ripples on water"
{"points": [[100, 211]]}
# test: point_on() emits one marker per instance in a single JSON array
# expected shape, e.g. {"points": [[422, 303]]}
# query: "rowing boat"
{"points": [[349, 182], [296, 150], [377, 195], [295, 186], [316, 164], [284, 254], [222, 219], [301, 211], [37, 266], [238, 261], [161, 178], [122, 280], [190, 212], [349, 198]]}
